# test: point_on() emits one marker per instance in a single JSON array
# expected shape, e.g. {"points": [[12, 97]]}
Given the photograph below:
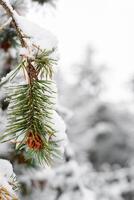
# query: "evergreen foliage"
{"points": [[31, 104], [31, 108]]}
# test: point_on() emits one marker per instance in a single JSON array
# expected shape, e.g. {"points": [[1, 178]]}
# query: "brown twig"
{"points": [[9, 10], [10, 13]]}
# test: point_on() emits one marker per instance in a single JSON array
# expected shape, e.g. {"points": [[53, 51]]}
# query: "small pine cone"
{"points": [[34, 141]]}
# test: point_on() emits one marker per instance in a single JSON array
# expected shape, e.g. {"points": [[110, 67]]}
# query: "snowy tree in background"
{"points": [[87, 88]]}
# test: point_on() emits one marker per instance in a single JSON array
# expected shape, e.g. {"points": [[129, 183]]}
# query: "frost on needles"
{"points": [[32, 102]]}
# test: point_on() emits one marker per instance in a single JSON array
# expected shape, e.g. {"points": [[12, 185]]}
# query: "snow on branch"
{"points": [[33, 122], [10, 12]]}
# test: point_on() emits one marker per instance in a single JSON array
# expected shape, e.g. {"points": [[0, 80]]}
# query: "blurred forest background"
{"points": [[99, 160]]}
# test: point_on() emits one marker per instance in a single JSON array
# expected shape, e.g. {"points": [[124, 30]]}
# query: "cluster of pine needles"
{"points": [[31, 109]]}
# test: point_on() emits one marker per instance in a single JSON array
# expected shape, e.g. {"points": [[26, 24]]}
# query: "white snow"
{"points": [[20, 6], [68, 178], [6, 168], [38, 35], [6, 174], [60, 128]]}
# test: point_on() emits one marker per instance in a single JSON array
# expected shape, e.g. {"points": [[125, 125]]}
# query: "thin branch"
{"points": [[10, 13]]}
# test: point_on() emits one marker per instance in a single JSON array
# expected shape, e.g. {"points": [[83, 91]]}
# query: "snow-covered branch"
{"points": [[10, 12]]}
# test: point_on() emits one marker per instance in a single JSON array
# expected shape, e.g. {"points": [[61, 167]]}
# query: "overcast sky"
{"points": [[108, 26]]}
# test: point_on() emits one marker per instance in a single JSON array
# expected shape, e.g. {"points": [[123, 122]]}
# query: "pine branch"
{"points": [[32, 104], [31, 108]]}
